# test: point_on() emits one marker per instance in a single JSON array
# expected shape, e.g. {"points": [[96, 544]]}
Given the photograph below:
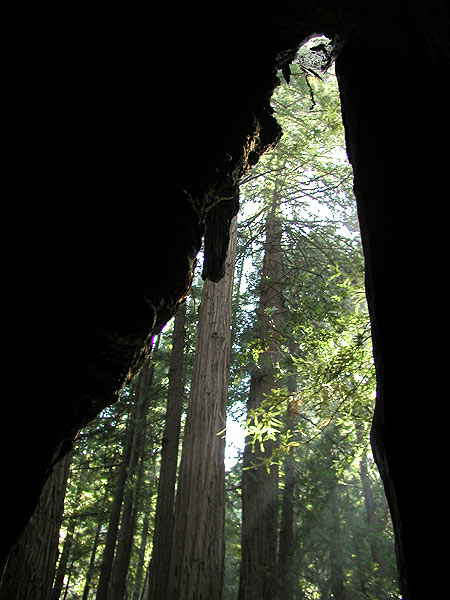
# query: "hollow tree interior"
{"points": [[133, 134]]}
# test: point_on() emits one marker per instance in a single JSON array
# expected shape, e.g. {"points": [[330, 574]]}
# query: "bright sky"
{"points": [[235, 438]]}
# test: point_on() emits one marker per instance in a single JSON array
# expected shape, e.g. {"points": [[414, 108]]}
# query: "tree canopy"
{"points": [[299, 325]]}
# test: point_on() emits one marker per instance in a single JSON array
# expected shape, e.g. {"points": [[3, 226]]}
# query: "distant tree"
{"points": [[162, 537], [286, 588], [259, 478], [131, 498], [132, 451]]}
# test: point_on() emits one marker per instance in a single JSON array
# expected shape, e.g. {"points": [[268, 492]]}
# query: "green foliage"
{"points": [[324, 348], [325, 345]]}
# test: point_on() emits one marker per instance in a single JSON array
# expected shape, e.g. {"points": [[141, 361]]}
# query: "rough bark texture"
{"points": [[198, 546], [32, 563], [286, 549], [128, 143]]}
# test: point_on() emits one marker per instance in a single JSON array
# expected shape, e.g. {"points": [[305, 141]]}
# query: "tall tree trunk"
{"points": [[162, 537], [260, 484], [198, 546], [141, 559], [114, 515], [131, 494], [124, 546], [286, 552], [90, 571], [63, 561], [31, 566]]}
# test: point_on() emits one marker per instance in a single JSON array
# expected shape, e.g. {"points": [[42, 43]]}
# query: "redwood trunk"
{"points": [[198, 548], [114, 516], [31, 566], [162, 538], [131, 496], [259, 484]]}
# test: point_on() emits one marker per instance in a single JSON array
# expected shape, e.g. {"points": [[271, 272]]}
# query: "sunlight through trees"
{"points": [[282, 348]]}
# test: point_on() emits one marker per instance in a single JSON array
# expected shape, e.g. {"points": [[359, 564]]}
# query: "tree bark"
{"points": [[162, 538], [141, 559], [31, 566], [198, 547], [114, 516], [131, 495], [286, 552], [63, 561], [260, 484], [87, 584]]}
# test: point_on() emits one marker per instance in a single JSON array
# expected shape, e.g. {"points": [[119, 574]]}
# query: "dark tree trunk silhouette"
{"points": [[63, 561], [128, 460], [162, 538], [141, 559], [131, 494], [90, 571], [31, 566], [198, 547], [114, 515]]}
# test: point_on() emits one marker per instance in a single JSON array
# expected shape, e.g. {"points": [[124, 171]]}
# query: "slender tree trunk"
{"points": [[141, 559], [260, 484], [124, 547], [90, 571], [63, 561], [69, 577], [198, 547], [162, 537], [114, 516], [31, 566], [131, 495]]}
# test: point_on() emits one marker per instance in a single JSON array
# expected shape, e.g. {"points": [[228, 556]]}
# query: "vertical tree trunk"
{"points": [[131, 494], [31, 566], [124, 547], [114, 516], [285, 570], [90, 571], [198, 547], [162, 538], [141, 559], [259, 484], [63, 561]]}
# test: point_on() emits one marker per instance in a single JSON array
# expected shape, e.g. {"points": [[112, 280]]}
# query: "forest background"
{"points": [[297, 317]]}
